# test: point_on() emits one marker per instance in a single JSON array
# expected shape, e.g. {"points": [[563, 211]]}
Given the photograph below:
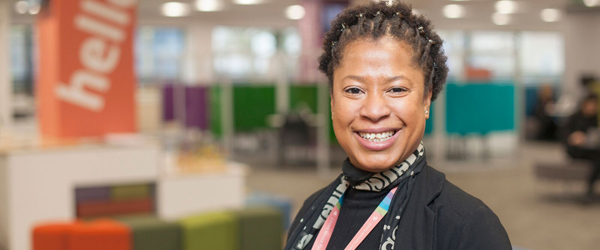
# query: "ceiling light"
{"points": [[500, 19], [34, 9], [295, 12], [247, 2], [416, 12], [550, 15], [209, 5], [21, 7], [175, 9], [591, 3], [454, 11], [506, 7]]}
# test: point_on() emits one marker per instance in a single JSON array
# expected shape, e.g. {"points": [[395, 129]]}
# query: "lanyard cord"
{"points": [[327, 230]]}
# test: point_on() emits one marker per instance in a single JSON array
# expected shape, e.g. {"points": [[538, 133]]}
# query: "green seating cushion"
{"points": [[261, 228], [151, 233], [210, 231]]}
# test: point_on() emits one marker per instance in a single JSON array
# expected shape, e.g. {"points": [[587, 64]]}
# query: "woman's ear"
{"points": [[427, 104]]}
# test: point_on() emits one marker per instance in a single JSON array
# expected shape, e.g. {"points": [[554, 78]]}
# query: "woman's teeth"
{"points": [[377, 137]]}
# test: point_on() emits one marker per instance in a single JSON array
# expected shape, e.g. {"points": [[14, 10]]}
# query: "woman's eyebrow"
{"points": [[396, 78], [355, 78], [387, 80]]}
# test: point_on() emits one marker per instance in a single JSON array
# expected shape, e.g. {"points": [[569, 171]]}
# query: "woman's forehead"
{"points": [[383, 58], [387, 41]]}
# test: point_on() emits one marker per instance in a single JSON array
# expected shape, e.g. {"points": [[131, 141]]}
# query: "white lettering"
{"points": [[95, 27], [76, 94], [98, 55], [92, 55], [108, 12]]}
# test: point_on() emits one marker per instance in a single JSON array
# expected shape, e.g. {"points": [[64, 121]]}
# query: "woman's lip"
{"points": [[376, 130], [377, 146]]}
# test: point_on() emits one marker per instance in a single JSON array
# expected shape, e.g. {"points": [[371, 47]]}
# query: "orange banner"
{"points": [[86, 82]]}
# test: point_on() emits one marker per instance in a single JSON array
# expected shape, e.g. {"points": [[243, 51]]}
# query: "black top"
{"points": [[582, 123], [438, 215], [358, 205], [579, 122]]}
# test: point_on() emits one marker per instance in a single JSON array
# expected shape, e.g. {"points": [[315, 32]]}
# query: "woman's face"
{"points": [[378, 103]]}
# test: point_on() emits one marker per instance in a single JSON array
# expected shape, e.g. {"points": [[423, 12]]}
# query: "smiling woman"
{"points": [[385, 66], [378, 94]]}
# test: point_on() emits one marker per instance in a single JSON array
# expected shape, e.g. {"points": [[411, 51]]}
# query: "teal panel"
{"points": [[479, 108], [251, 107], [504, 101], [430, 121]]}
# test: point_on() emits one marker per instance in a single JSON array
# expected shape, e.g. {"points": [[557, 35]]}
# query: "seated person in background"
{"points": [[543, 109], [580, 129]]}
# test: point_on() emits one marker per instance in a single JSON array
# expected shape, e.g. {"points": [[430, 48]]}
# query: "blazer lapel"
{"points": [[417, 227]]}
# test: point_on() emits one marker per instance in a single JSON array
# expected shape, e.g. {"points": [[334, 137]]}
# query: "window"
{"points": [[454, 48], [158, 53], [494, 51], [542, 57], [255, 54], [21, 58]]}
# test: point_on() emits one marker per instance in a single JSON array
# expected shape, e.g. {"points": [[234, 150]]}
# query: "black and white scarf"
{"points": [[401, 176]]}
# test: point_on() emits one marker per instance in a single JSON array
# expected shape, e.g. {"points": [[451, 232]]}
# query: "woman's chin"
{"points": [[374, 166]]}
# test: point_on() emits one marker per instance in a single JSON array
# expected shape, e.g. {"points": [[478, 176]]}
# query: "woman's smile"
{"points": [[377, 139]]}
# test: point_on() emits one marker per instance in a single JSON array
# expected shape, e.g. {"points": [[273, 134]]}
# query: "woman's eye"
{"points": [[353, 91], [397, 90]]}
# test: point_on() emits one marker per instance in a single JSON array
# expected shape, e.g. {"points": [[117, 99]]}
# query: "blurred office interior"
{"points": [[214, 122]]}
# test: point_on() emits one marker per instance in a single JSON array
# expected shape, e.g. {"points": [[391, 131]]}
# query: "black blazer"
{"points": [[440, 215]]}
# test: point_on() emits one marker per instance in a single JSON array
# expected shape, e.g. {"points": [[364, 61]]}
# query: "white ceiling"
{"points": [[271, 13], [268, 13]]}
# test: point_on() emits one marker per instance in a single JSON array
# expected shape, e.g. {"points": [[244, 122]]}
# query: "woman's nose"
{"points": [[375, 108]]}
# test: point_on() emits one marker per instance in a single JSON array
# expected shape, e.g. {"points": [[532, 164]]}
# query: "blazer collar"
{"points": [[430, 185], [418, 225]]}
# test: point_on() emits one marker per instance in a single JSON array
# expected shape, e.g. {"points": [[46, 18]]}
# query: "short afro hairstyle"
{"points": [[376, 19]]}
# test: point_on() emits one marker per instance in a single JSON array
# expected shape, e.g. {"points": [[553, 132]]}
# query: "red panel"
{"points": [[106, 208], [87, 82]]}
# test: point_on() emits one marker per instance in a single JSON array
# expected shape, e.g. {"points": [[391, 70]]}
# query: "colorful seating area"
{"points": [[247, 229], [114, 200]]}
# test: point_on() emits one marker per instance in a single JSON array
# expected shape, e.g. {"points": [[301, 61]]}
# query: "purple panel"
{"points": [[196, 105], [168, 104], [92, 194]]}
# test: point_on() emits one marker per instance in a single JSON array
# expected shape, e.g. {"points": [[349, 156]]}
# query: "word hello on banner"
{"points": [[86, 84]]}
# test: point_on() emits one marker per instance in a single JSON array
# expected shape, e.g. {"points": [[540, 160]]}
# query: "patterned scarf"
{"points": [[315, 217]]}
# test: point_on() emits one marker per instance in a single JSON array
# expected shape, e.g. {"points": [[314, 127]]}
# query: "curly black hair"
{"points": [[377, 19]]}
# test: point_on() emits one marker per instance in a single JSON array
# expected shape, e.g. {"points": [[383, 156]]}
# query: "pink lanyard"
{"points": [[327, 230]]}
